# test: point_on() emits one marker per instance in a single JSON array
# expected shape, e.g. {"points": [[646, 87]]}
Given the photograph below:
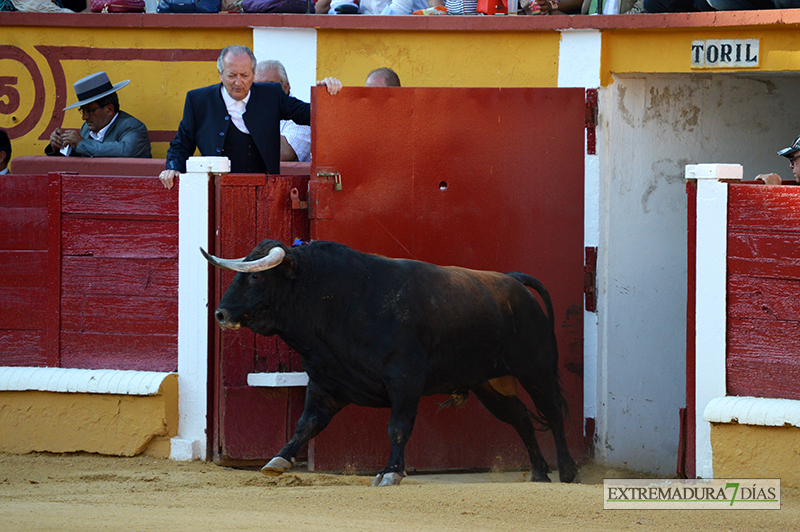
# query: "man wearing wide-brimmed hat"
{"points": [[106, 131]]}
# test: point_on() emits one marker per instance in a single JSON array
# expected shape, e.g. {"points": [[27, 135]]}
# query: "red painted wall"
{"points": [[89, 272], [763, 317], [23, 259]]}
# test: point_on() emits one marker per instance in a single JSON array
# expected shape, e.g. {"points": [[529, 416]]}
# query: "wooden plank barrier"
{"points": [[89, 272], [23, 260], [763, 316]]}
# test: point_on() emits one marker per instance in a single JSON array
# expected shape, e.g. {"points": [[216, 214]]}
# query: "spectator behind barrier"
{"points": [[295, 139], [745, 5], [582, 7], [236, 118], [793, 154], [676, 6], [370, 7], [106, 131], [5, 151], [382, 77]]}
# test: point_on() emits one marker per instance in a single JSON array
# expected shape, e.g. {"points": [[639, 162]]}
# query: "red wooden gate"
{"points": [[252, 423], [482, 178]]}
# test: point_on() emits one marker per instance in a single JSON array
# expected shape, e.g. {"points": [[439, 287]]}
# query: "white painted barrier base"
{"points": [[183, 450], [759, 411]]}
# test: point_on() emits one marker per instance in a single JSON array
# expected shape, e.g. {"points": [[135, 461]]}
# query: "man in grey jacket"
{"points": [[106, 131]]}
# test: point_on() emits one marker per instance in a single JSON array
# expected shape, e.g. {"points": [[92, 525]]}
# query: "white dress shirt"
{"points": [[100, 135], [236, 108]]}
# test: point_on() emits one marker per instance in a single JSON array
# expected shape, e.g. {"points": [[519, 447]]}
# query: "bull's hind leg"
{"points": [[319, 409], [511, 410], [547, 397]]}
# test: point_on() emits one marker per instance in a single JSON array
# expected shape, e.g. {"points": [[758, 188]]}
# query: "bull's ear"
{"points": [[288, 266]]}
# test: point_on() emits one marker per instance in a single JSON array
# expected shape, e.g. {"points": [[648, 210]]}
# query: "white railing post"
{"points": [[710, 298], [193, 232]]}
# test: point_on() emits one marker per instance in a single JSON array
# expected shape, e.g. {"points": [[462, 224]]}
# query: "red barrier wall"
{"points": [[763, 316], [23, 259], [90, 274]]}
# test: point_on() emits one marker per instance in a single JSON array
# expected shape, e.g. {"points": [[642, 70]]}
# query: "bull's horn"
{"points": [[273, 258]]}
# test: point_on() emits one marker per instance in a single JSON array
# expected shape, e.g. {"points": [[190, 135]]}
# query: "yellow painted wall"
{"points": [[426, 58], [120, 425], [669, 51], [442, 58], [748, 451], [157, 90]]}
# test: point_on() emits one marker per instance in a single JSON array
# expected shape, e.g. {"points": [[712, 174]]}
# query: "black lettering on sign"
{"points": [[725, 53], [712, 54]]}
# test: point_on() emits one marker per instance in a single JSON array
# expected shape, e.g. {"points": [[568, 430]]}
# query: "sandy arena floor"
{"points": [[43, 492]]}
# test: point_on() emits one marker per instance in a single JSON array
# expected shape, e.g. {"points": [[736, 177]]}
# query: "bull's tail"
{"points": [[535, 284], [532, 282]]}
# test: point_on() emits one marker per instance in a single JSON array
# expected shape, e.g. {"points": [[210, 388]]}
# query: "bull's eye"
{"points": [[255, 276]]}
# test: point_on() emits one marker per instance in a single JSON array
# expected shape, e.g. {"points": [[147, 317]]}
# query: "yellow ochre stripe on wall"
{"points": [[662, 51], [442, 58]]}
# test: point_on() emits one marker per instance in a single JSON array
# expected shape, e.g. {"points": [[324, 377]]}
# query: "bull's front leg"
{"points": [[319, 409], [401, 423]]}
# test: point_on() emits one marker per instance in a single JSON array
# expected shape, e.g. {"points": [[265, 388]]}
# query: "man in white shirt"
{"points": [[250, 139], [295, 139]]}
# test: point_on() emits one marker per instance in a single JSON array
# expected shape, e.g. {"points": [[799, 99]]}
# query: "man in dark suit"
{"points": [[237, 119], [106, 131]]}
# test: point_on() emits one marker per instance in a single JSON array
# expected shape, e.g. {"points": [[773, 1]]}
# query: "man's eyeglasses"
{"points": [[793, 160], [85, 111]]}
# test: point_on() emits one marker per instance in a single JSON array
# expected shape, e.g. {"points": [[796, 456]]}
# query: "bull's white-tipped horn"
{"points": [[273, 258]]}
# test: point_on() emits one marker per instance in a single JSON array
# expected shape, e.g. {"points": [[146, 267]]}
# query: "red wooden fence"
{"points": [[763, 316], [23, 263], [763, 300], [89, 272]]}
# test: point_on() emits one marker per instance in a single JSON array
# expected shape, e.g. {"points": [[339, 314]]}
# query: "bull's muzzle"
{"points": [[223, 320]]}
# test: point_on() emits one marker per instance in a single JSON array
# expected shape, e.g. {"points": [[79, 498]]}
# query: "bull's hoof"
{"points": [[539, 477], [568, 474], [388, 479], [276, 466]]}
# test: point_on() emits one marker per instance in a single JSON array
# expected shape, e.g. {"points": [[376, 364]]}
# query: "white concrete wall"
{"points": [[579, 66], [650, 128], [296, 48]]}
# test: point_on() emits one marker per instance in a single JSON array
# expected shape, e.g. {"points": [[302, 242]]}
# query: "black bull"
{"points": [[383, 333]]}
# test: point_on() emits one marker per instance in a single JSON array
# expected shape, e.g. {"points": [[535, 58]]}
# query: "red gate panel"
{"points": [[252, 423], [482, 178]]}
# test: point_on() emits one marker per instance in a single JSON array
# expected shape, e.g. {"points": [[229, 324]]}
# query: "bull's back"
{"points": [[455, 326]]}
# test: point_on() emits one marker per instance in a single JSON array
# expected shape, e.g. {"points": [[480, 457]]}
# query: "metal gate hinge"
{"points": [[590, 279], [590, 121], [297, 205]]}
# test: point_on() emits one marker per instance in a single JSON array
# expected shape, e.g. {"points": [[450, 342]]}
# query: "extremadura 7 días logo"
{"points": [[697, 494]]}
